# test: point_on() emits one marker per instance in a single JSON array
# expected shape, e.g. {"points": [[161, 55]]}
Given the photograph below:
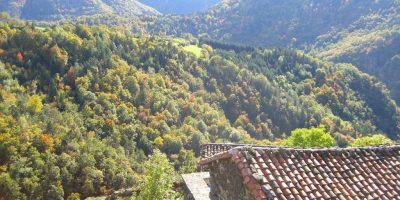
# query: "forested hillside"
{"points": [[289, 23], [82, 107], [364, 33], [371, 43], [58, 9]]}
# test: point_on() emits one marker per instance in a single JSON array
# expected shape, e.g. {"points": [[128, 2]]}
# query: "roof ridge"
{"points": [[397, 146], [275, 149]]}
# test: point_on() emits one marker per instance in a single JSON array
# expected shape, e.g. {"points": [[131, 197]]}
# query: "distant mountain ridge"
{"points": [[180, 6], [57, 9], [290, 23]]}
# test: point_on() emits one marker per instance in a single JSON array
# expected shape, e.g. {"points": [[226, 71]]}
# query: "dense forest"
{"points": [[98, 96], [291, 23], [363, 33], [371, 43], [82, 107]]}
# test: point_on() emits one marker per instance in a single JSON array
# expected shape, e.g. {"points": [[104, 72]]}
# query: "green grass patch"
{"points": [[193, 49], [40, 28], [179, 41]]}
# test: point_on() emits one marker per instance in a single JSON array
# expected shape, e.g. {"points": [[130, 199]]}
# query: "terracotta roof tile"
{"points": [[287, 173]]}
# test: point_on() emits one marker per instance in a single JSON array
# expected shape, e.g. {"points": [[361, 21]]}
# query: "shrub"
{"points": [[311, 137]]}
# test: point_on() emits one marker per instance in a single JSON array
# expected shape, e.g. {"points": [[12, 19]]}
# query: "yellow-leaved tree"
{"points": [[35, 104]]}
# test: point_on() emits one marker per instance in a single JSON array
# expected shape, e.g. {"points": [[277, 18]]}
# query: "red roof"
{"points": [[286, 173]]}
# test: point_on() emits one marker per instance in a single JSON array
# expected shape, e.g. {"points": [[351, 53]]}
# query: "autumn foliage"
{"points": [[80, 118], [20, 57]]}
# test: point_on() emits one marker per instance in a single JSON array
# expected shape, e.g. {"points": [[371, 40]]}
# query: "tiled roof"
{"points": [[286, 173]]}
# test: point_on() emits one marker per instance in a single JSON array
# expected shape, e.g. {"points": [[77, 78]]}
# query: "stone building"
{"points": [[243, 172]]}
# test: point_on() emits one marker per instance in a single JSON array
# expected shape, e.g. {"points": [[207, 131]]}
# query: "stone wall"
{"points": [[187, 194], [196, 186], [226, 182]]}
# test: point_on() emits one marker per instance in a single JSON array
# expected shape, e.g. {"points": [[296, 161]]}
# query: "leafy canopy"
{"points": [[158, 178], [373, 140], [312, 137]]}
